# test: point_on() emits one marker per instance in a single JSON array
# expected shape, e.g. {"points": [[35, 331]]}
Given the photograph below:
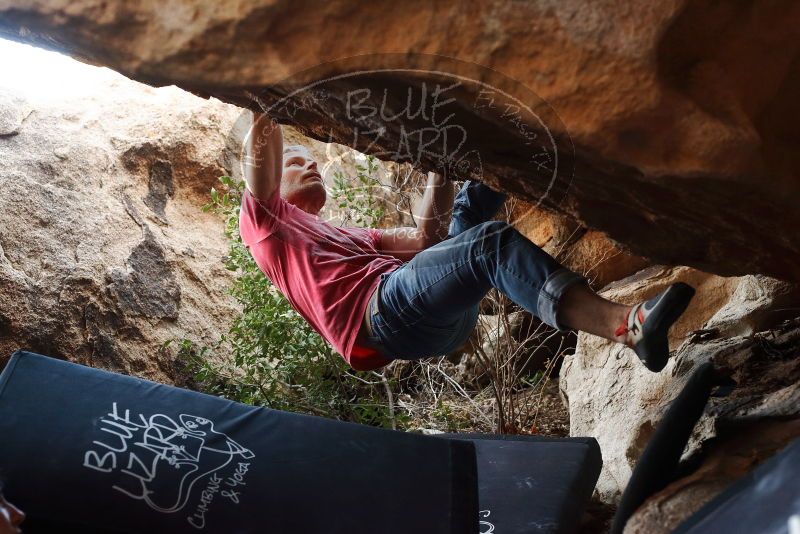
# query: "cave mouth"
{"points": [[47, 75]]}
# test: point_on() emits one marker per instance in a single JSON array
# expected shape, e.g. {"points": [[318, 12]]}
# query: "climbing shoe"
{"points": [[648, 322]]}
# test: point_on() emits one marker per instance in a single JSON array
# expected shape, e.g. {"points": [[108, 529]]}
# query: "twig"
{"points": [[464, 394], [389, 396]]}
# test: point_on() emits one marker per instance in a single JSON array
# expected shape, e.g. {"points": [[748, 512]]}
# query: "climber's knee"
{"points": [[497, 235], [495, 230]]}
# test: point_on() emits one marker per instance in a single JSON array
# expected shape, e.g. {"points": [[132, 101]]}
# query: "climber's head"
{"points": [[301, 183], [10, 516]]}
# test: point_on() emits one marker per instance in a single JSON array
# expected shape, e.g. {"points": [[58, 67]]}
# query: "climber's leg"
{"points": [[583, 309], [475, 203], [430, 303], [642, 327], [418, 333], [427, 304]]}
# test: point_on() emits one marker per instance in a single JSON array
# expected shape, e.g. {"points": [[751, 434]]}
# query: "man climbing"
{"points": [[409, 293]]}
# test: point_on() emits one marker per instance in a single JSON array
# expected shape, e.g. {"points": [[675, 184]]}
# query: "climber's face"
{"points": [[10, 517], [302, 183]]}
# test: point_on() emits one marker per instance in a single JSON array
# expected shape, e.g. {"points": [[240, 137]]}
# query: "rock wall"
{"points": [[673, 121], [104, 251]]}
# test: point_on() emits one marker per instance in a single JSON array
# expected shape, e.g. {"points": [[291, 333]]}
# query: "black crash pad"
{"points": [[766, 501], [84, 450], [531, 484]]}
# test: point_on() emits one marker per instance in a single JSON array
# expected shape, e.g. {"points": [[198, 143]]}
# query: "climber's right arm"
{"points": [[263, 161]]}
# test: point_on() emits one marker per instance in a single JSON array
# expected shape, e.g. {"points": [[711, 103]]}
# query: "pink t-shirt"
{"points": [[326, 273]]}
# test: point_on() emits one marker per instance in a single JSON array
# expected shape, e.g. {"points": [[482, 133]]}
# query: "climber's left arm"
{"points": [[433, 221]]}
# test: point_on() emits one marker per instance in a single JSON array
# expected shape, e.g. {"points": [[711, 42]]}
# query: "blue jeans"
{"points": [[429, 305]]}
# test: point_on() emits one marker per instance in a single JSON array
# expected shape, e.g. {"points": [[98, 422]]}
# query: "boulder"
{"points": [[13, 112], [105, 253], [613, 397], [756, 302], [668, 125]]}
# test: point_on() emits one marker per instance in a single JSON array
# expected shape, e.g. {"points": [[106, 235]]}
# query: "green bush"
{"points": [[270, 356], [357, 201]]}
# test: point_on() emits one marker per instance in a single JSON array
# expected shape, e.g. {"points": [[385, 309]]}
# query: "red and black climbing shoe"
{"points": [[648, 322]]}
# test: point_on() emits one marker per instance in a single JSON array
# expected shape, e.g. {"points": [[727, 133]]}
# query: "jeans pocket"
{"points": [[380, 336]]}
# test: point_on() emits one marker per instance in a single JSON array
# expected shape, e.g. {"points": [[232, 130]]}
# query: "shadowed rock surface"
{"points": [[674, 121], [736, 322], [587, 252], [147, 286], [756, 421]]}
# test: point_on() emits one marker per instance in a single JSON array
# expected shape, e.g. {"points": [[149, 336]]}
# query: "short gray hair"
{"points": [[296, 148]]}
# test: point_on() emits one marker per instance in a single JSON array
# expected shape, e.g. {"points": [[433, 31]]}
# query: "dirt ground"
{"points": [[550, 417]]}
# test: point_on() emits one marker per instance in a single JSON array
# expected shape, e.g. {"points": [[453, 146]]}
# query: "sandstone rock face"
{"points": [[105, 253], [757, 301], [669, 125], [587, 252], [613, 397]]}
